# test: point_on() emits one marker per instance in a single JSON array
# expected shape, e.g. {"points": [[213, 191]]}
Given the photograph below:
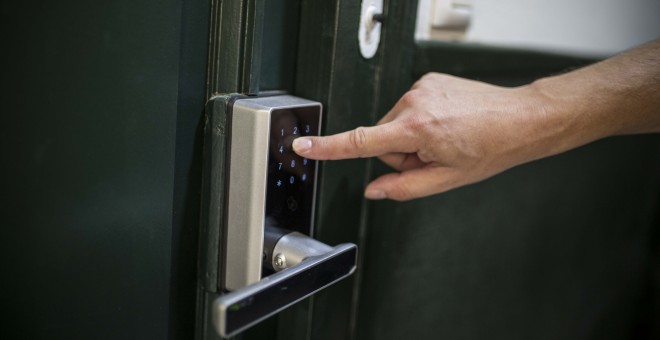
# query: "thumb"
{"points": [[360, 142], [412, 184]]}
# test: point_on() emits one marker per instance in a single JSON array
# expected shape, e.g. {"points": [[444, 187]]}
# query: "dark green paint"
{"points": [[506, 66], [102, 187], [313, 67], [188, 167], [556, 249], [235, 46], [279, 45], [506, 258], [101, 104], [560, 248], [213, 191], [212, 212], [331, 70]]}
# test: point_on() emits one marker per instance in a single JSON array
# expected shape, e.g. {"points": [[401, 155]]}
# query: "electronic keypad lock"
{"points": [[271, 260]]}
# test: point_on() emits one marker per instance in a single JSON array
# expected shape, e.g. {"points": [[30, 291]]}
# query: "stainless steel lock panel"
{"points": [[271, 259], [245, 206], [269, 185]]}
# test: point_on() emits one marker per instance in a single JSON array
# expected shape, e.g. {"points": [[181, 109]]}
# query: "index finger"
{"points": [[360, 142]]}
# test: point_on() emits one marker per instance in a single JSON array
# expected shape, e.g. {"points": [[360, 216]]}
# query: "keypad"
{"points": [[290, 167], [289, 201]]}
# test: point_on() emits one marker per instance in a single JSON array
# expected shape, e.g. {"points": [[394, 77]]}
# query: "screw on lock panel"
{"points": [[279, 261]]}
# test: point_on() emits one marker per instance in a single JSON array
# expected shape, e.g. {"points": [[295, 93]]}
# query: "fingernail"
{"points": [[375, 194], [302, 145]]}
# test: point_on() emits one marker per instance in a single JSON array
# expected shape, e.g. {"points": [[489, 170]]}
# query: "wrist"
{"points": [[571, 114], [540, 126]]}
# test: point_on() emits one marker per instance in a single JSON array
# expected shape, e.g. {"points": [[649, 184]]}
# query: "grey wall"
{"points": [[585, 27]]}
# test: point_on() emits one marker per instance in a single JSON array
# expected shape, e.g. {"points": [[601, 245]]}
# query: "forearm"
{"points": [[620, 95]]}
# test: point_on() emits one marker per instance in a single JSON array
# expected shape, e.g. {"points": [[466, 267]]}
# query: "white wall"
{"points": [[591, 27]]}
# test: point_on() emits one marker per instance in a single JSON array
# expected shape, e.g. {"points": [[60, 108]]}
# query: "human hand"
{"points": [[444, 133], [447, 132]]}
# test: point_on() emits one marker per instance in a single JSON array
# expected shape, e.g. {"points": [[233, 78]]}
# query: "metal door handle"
{"points": [[304, 266]]}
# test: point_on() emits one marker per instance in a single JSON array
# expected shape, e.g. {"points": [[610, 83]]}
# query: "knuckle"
{"points": [[430, 75], [424, 80], [358, 139], [411, 98], [435, 77], [442, 77]]}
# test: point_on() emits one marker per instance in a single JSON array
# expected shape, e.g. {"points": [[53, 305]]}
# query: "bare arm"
{"points": [[447, 132]]}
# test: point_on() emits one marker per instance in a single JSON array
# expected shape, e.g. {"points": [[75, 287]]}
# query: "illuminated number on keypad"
{"points": [[282, 132], [307, 128], [293, 163], [291, 180], [280, 166], [304, 177], [295, 130], [305, 161], [281, 149]]}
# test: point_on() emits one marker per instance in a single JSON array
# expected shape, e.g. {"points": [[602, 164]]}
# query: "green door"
{"points": [[559, 248], [106, 223], [101, 104]]}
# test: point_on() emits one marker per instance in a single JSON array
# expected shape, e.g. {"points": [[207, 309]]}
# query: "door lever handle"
{"points": [[304, 266]]}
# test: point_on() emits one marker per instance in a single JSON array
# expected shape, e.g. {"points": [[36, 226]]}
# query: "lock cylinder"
{"points": [[285, 248]]}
